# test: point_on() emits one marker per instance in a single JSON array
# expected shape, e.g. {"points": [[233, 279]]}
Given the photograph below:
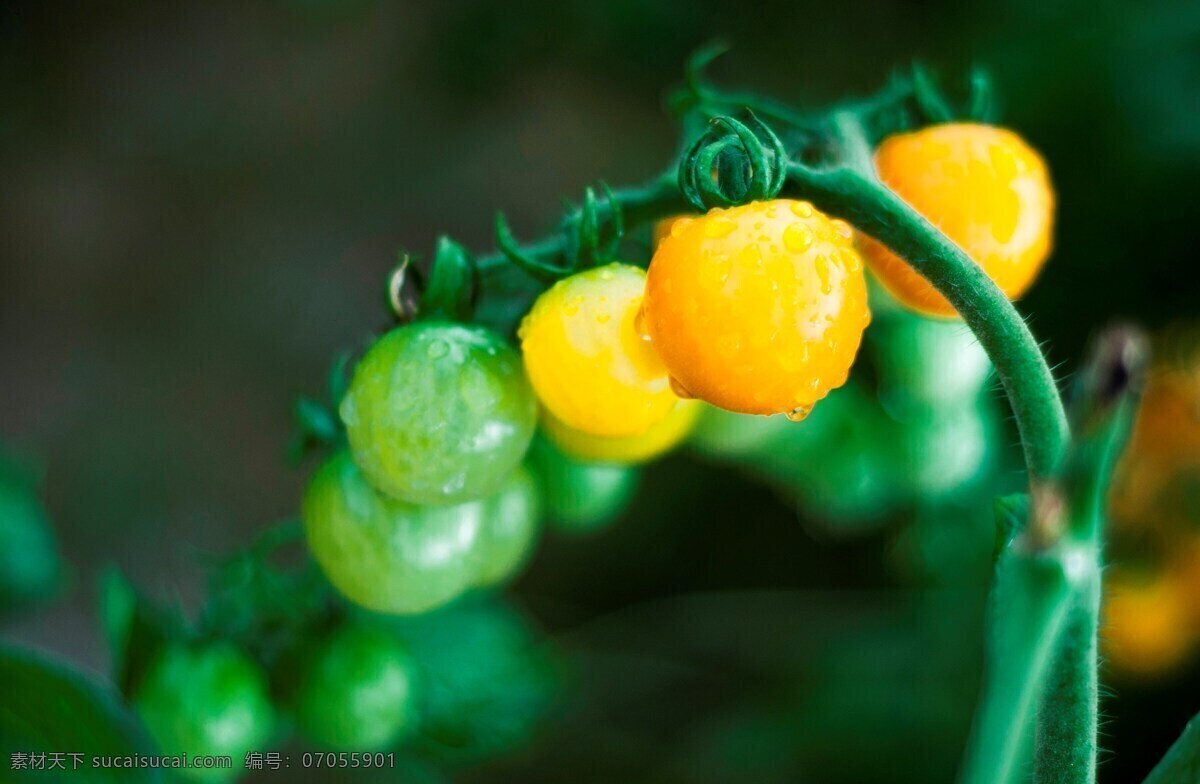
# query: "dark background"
{"points": [[199, 204]]}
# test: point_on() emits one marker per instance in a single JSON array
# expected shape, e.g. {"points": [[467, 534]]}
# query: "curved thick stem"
{"points": [[853, 192]]}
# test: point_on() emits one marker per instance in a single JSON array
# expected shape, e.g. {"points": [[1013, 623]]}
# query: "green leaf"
{"points": [[1181, 763], [452, 284], [49, 707], [30, 568]]}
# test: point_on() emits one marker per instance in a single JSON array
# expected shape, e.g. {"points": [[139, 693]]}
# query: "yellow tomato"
{"points": [[657, 439], [758, 309], [1156, 486], [985, 188], [586, 360], [1146, 626], [662, 230]]}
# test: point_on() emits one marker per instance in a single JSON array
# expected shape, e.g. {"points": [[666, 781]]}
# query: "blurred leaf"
{"points": [[30, 568], [49, 707], [1181, 764], [136, 630], [269, 610]]}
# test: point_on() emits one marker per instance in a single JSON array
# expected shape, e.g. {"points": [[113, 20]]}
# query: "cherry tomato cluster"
{"points": [[754, 309], [465, 682]]}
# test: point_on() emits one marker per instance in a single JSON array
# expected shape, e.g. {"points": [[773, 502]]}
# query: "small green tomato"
{"points": [[512, 522], [358, 692], [439, 413], [388, 555], [205, 701], [582, 497]]}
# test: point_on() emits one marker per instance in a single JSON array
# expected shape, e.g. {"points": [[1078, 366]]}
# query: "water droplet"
{"points": [[822, 266], [802, 209], [679, 226], [641, 325], [842, 230], [603, 317], [679, 389], [571, 306], [797, 237], [799, 413], [606, 274], [437, 349], [715, 228]]}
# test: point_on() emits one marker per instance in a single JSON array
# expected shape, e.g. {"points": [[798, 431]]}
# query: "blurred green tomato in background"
{"points": [[488, 680], [923, 361], [359, 691], [210, 700], [581, 497]]}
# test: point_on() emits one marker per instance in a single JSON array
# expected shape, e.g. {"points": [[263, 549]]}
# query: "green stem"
{"points": [[1037, 590], [657, 199], [1065, 740], [1030, 601], [860, 198]]}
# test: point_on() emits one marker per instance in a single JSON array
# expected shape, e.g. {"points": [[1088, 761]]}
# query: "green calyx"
{"points": [[589, 236], [733, 163]]}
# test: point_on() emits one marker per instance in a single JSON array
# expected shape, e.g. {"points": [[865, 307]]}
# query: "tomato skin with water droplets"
{"points": [[591, 368], [758, 309], [985, 188], [439, 413]]}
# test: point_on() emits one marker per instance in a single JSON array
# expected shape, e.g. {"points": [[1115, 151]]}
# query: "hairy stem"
{"points": [[860, 198], [1029, 603], [1065, 740]]}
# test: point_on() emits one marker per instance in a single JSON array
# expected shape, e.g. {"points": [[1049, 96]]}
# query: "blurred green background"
{"points": [[200, 204]]}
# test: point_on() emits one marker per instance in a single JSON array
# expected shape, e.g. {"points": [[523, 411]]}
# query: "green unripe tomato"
{"points": [[581, 497], [439, 413], [211, 700], [836, 463], [725, 435], [944, 450], [512, 522], [926, 362], [387, 555], [487, 678], [358, 691]]}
